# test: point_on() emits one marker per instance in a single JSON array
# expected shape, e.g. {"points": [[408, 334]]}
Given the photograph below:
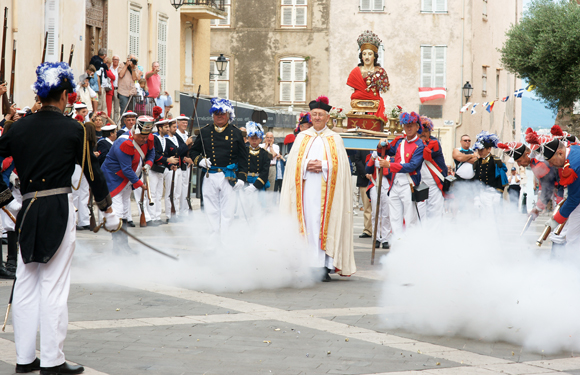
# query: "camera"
{"points": [[134, 61]]}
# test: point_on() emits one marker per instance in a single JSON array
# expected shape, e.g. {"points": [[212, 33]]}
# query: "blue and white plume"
{"points": [[253, 129], [52, 75], [222, 106], [485, 140]]}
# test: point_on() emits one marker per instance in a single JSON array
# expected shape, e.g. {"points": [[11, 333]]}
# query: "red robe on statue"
{"points": [[356, 81]]}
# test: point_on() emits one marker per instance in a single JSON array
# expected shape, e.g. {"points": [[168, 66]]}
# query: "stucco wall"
{"points": [[255, 43]]}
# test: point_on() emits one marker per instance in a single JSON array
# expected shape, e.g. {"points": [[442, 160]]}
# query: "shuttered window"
{"points": [[372, 5], [484, 10], [227, 21], [51, 22], [433, 66], [484, 81], [293, 80], [162, 50], [134, 30], [434, 6], [219, 84], [294, 13]]}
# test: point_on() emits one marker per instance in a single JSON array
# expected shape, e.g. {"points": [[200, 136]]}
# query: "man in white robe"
{"points": [[317, 190]]}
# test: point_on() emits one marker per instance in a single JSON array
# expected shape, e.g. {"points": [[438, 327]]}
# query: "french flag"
{"points": [[432, 93]]}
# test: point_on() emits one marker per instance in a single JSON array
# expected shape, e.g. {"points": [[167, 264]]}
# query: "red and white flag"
{"points": [[431, 93]]}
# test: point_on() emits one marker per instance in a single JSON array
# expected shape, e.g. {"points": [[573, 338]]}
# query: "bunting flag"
{"points": [[505, 99], [489, 106], [473, 111], [465, 107], [432, 93], [519, 93], [530, 87]]}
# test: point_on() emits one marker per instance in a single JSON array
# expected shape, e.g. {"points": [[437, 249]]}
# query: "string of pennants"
{"points": [[488, 106]]}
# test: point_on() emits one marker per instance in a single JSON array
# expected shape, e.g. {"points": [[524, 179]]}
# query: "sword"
{"points": [[531, 217], [9, 306], [140, 241]]}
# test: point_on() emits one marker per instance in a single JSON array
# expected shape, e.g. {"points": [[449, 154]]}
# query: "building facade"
{"points": [[153, 30], [291, 51]]}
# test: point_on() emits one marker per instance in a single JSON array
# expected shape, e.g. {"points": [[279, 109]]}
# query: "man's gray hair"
{"points": [[155, 62], [102, 52]]}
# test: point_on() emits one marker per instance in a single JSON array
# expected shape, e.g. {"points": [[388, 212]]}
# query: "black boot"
{"points": [[12, 258], [32, 366], [65, 368], [326, 275]]}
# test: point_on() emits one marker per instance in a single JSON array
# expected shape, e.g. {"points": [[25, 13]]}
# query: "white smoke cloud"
{"points": [[475, 277]]}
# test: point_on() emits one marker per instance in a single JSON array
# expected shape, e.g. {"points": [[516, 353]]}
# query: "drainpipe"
{"points": [[462, 68]]}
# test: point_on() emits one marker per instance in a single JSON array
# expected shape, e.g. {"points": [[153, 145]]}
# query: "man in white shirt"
{"points": [[115, 70], [182, 122], [514, 187], [274, 150]]}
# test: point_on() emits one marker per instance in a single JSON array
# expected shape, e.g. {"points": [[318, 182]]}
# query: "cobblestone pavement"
{"points": [[327, 328]]}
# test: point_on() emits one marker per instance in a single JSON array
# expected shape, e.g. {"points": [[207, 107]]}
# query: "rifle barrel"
{"points": [[44, 49], [72, 49], [13, 73]]}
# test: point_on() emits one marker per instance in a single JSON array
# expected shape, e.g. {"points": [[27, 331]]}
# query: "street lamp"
{"points": [[467, 91], [176, 3], [221, 64]]}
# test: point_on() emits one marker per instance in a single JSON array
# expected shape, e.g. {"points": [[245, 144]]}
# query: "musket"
{"points": [[93, 222], [171, 193], [9, 214], [5, 103], [13, 73], [61, 52], [72, 49], [142, 219], [146, 174], [547, 229], [44, 49], [190, 129]]}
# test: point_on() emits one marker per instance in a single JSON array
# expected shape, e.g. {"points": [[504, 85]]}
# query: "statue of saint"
{"points": [[369, 79]]}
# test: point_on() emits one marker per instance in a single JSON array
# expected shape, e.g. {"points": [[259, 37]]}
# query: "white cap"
{"points": [[109, 127], [182, 117], [129, 113], [79, 105]]}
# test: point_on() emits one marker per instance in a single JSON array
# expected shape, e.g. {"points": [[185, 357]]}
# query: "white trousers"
{"points": [[571, 231], [401, 207], [183, 207], [122, 203], [176, 192], [486, 199], [384, 228], [40, 297], [434, 207], [156, 180], [81, 197], [219, 201]]}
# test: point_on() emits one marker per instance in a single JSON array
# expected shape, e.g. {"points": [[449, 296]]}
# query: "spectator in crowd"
{"points": [[165, 102], [94, 85], [154, 81], [274, 150], [111, 93], [98, 61], [514, 187], [127, 76], [142, 89], [115, 69]]}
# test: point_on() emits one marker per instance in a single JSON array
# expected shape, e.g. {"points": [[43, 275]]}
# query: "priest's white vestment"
{"points": [[321, 202]]}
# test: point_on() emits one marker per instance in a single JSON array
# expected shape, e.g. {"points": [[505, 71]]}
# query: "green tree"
{"points": [[544, 49]]}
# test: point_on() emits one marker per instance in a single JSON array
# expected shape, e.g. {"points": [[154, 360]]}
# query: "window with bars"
{"points": [[162, 50], [134, 31], [484, 81], [227, 21], [51, 23], [293, 80], [433, 6], [294, 13], [372, 5], [497, 83], [433, 66], [219, 84], [484, 9]]}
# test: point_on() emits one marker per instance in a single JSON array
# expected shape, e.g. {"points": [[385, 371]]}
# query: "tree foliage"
{"points": [[544, 49]]}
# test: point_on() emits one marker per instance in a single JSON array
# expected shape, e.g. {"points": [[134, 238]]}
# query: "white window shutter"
{"points": [[440, 6], [378, 5], [300, 2], [134, 32], [162, 50], [212, 88], [300, 16], [51, 25], [427, 6], [222, 90], [299, 91], [287, 2], [285, 92], [299, 70], [212, 68], [426, 66], [286, 71], [365, 4], [440, 53], [287, 16], [226, 21]]}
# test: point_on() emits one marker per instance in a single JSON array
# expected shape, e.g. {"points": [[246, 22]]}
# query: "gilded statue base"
{"points": [[367, 122]]}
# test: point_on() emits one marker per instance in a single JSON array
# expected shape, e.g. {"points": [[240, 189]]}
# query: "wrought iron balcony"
{"points": [[205, 9]]}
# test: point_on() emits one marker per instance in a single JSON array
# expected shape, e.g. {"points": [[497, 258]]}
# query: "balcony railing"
{"points": [[217, 4]]}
